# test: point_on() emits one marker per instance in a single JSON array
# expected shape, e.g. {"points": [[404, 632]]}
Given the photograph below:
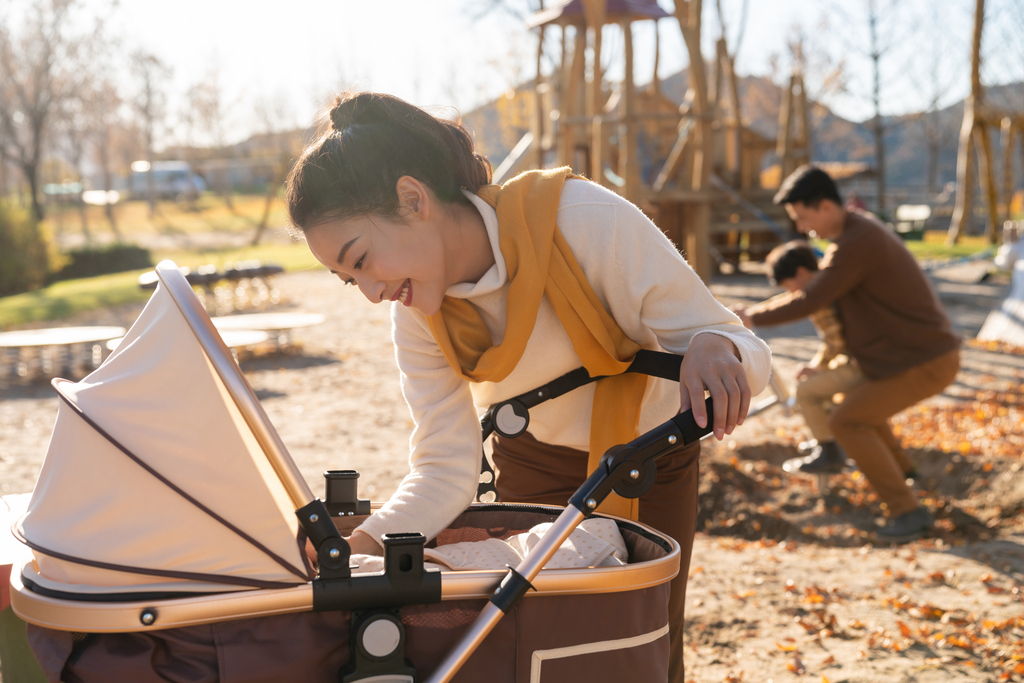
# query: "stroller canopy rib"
{"points": [[195, 502]]}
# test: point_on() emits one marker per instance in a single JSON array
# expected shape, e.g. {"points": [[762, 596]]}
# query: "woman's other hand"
{"points": [[712, 363]]}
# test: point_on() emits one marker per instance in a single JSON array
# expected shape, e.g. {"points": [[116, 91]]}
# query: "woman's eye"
{"points": [[359, 263]]}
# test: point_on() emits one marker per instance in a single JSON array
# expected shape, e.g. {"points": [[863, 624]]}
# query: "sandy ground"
{"points": [[785, 582]]}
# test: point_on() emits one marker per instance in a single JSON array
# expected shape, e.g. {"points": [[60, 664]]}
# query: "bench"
{"points": [[911, 220], [53, 350]]}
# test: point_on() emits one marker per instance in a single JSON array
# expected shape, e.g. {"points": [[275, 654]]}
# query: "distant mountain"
{"points": [[834, 138]]}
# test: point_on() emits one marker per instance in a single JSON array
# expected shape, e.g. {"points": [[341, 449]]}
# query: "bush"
{"points": [[111, 258], [27, 253]]}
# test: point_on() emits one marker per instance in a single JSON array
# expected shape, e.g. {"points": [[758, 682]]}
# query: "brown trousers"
{"points": [[861, 425], [533, 472]]}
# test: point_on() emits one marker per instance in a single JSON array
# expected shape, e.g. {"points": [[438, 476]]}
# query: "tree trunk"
{"points": [[878, 128], [31, 172]]}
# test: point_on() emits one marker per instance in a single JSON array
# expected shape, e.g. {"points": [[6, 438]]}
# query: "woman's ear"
{"points": [[413, 198]]}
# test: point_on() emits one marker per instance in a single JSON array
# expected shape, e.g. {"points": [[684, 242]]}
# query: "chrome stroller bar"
{"points": [[511, 418], [629, 470]]}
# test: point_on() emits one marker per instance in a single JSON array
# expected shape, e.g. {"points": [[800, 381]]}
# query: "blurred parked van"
{"points": [[171, 180]]}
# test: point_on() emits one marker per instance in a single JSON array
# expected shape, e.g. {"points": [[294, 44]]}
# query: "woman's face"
{"points": [[387, 258]]}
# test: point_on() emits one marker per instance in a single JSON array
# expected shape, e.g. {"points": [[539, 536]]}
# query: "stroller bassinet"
{"points": [[167, 546]]}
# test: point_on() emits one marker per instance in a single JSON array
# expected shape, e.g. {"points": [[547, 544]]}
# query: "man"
{"points": [[895, 329]]}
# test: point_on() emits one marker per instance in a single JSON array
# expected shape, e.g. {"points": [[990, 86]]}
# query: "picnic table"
{"points": [[241, 285], [53, 348], [232, 338], [280, 323]]}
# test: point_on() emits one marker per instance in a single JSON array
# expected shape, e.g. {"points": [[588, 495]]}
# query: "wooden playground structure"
{"points": [[695, 168], [981, 120]]}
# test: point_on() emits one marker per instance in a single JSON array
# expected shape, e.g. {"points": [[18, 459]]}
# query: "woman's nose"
{"points": [[372, 290]]}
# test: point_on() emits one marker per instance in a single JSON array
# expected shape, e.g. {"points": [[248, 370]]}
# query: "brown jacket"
{"points": [[891, 316]]}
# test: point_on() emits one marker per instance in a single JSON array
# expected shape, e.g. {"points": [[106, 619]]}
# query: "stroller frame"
{"points": [[628, 470]]}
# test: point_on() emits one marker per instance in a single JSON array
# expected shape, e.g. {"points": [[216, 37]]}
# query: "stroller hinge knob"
{"points": [[672, 438], [591, 503], [314, 518], [334, 553], [634, 474]]}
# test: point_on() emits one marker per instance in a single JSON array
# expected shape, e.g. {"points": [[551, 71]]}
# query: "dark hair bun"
{"points": [[351, 110]]}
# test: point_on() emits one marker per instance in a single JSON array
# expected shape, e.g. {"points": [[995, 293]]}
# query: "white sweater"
{"points": [[639, 276]]}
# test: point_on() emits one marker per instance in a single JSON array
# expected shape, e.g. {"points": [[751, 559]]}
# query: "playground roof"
{"points": [[570, 12]]}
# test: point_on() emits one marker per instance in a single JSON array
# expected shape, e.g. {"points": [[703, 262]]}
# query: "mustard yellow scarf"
{"points": [[539, 262]]}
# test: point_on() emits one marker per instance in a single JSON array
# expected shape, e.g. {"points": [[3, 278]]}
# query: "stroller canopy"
{"points": [[153, 482]]}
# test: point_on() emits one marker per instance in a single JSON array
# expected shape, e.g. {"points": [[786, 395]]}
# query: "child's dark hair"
{"points": [[808, 185], [783, 260], [374, 140]]}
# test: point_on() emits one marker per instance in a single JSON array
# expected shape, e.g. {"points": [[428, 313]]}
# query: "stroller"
{"points": [[168, 528]]}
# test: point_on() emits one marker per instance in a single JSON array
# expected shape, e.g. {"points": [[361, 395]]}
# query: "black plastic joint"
{"points": [[341, 488], [316, 521], [513, 587]]}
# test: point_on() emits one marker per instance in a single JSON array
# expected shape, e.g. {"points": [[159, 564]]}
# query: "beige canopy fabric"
{"points": [[153, 481]]}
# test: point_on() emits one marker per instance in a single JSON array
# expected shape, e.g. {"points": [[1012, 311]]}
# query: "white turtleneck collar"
{"points": [[496, 275]]}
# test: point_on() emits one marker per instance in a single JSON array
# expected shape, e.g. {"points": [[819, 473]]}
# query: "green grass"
{"points": [[933, 246], [62, 299]]}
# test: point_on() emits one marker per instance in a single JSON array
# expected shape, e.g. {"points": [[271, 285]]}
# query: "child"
{"points": [[791, 266], [497, 290]]}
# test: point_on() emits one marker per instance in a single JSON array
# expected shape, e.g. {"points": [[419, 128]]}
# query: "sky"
{"points": [[442, 52]]}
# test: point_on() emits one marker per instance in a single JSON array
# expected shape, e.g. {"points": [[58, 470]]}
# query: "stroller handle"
{"points": [[629, 470]]}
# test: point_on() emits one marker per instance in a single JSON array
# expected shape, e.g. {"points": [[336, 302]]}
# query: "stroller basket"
{"points": [[166, 545]]}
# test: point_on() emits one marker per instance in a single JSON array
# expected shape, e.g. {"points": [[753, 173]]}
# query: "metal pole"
{"points": [[489, 617]]}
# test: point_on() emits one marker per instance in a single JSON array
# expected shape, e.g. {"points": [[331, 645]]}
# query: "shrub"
{"points": [[27, 252], [110, 258]]}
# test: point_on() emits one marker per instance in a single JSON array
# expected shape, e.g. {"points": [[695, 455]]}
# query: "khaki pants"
{"points": [[814, 396], [860, 424], [534, 472]]}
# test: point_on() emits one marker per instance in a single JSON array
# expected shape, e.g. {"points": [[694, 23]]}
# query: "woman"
{"points": [[496, 291]]}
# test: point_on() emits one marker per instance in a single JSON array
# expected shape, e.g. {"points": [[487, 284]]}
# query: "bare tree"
{"points": [[150, 103], [275, 120], [106, 120], [888, 27], [210, 109], [38, 70]]}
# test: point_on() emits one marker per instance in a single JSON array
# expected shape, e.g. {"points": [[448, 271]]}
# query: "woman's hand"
{"points": [[712, 363]]}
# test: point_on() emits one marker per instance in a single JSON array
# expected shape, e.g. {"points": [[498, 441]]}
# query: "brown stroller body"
{"points": [[167, 530]]}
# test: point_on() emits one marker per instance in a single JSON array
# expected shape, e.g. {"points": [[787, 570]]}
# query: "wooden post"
{"points": [[594, 15], [573, 101], [962, 211], [1006, 138], [628, 162], [688, 14], [987, 172], [785, 140], [733, 160], [804, 123], [964, 171]]}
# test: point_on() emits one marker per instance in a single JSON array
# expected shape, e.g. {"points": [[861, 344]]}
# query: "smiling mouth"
{"points": [[404, 294]]}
